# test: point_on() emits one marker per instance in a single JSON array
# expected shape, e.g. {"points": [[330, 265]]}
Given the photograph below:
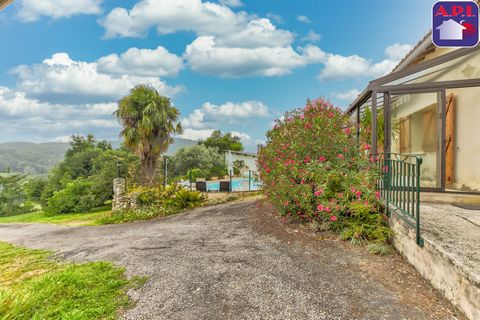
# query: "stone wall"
{"points": [[121, 199]]}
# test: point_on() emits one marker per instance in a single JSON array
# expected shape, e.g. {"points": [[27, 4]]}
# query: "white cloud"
{"points": [[169, 16], [257, 33], [242, 135], [348, 95], [196, 134], [60, 77], [201, 122], [304, 19], [232, 3], [397, 51], [338, 67], [32, 10], [142, 62], [312, 36], [204, 55], [21, 116], [211, 115]]}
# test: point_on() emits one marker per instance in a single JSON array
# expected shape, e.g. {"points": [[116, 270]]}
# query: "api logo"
{"points": [[455, 24]]}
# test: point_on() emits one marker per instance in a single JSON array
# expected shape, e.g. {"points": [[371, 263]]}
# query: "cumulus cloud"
{"points": [[204, 55], [397, 51], [211, 115], [60, 78], [24, 116], [32, 10], [338, 67], [169, 16], [201, 122], [196, 134], [304, 19], [142, 62], [348, 95]]}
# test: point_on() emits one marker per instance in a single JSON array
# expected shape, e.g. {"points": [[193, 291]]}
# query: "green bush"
{"points": [[77, 196], [173, 195], [313, 170], [188, 199]]}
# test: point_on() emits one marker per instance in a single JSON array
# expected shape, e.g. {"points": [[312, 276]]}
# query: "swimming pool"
{"points": [[238, 184]]}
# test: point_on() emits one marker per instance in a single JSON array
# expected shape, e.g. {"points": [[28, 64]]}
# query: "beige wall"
{"points": [[467, 127], [466, 139]]}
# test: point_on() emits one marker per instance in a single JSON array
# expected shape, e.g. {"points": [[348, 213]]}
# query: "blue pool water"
{"points": [[238, 184]]}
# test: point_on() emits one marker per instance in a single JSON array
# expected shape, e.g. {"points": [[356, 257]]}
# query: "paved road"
{"points": [[237, 261]]}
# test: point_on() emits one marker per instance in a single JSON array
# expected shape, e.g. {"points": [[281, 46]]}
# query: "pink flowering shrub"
{"points": [[314, 170]]}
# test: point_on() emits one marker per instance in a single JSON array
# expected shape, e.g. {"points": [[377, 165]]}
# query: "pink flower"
{"points": [[322, 159], [377, 195], [347, 131], [340, 156], [307, 159], [358, 193], [353, 190], [318, 192], [327, 209], [302, 116], [333, 218], [320, 207], [286, 203], [366, 146]]}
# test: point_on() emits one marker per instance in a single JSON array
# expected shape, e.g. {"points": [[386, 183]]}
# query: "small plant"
{"points": [[189, 199], [380, 249]]}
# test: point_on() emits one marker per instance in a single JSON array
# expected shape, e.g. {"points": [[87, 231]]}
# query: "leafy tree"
{"points": [[12, 196], [77, 196], [78, 163], [208, 162], [105, 170], [223, 142], [33, 188], [148, 121]]}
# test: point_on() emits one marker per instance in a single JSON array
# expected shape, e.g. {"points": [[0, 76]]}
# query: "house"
{"points": [[423, 123], [430, 105], [451, 30], [249, 161]]}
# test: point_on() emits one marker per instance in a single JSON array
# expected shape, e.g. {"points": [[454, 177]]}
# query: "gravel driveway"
{"points": [[237, 261]]}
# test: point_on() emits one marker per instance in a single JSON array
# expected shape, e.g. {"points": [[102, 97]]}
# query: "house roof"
{"points": [[4, 3]]}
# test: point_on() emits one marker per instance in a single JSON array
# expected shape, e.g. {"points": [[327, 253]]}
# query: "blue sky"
{"points": [[235, 65]]}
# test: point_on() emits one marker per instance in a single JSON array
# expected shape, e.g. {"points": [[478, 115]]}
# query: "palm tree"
{"points": [[148, 121]]}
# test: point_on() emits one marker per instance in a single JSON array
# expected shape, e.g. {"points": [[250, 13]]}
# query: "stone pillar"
{"points": [[118, 202]]}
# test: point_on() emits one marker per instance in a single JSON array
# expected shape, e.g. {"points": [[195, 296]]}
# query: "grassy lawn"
{"points": [[103, 215], [71, 219], [34, 286]]}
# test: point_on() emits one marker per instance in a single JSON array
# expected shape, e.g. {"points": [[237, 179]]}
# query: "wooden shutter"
{"points": [[449, 139]]}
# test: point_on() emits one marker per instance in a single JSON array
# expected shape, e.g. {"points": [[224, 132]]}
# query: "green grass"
{"points": [[34, 286], [103, 215], [74, 219]]}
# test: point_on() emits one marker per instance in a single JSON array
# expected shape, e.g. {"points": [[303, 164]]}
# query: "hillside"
{"points": [[39, 158]]}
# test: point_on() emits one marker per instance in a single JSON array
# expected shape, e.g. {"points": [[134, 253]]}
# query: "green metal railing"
{"points": [[399, 186]]}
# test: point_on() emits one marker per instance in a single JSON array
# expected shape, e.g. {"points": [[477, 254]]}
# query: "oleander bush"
{"points": [[314, 170]]}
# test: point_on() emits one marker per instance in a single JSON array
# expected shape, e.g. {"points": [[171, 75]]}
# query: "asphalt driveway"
{"points": [[238, 261]]}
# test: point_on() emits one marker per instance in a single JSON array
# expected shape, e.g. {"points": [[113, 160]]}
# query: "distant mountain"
{"points": [[39, 158], [31, 158]]}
